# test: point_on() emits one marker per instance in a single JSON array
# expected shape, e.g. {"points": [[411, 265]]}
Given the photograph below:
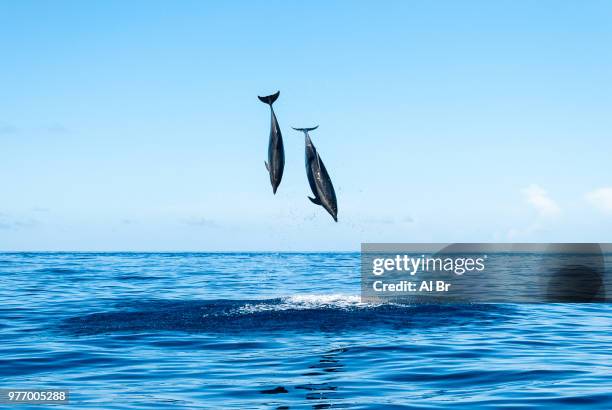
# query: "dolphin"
{"points": [[276, 150], [318, 178]]}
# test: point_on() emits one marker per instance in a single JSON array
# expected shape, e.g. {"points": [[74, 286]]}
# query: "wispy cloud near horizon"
{"points": [[17, 223], [601, 199], [539, 199], [199, 221]]}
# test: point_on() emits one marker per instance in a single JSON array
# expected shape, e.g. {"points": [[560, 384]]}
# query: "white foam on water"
{"points": [[308, 301]]}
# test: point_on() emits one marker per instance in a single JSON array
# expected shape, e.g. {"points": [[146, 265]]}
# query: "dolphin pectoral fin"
{"points": [[267, 167], [315, 201]]}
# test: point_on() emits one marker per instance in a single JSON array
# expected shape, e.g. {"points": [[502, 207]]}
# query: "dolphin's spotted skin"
{"points": [[276, 150], [318, 178]]}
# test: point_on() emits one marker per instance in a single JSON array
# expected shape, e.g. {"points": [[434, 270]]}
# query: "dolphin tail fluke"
{"points": [[306, 129], [269, 99], [267, 167], [315, 201]]}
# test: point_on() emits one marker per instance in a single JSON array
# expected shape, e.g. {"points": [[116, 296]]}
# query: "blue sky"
{"points": [[135, 125]]}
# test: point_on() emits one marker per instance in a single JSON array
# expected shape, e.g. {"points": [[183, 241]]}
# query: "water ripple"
{"points": [[282, 331]]}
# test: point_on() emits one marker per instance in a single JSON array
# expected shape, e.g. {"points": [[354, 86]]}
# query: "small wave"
{"points": [[307, 301], [58, 271]]}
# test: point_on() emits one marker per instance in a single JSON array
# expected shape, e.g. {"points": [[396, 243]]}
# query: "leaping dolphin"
{"points": [[318, 178], [276, 150]]}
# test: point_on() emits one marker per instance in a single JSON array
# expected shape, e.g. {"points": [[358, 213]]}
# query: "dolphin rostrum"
{"points": [[318, 178], [276, 151]]}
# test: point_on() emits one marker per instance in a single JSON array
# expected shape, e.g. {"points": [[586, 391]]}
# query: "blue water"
{"points": [[281, 331]]}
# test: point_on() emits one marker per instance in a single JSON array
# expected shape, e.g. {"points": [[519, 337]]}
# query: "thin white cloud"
{"points": [[546, 209], [601, 199], [515, 234], [201, 222], [537, 197], [7, 223], [384, 220]]}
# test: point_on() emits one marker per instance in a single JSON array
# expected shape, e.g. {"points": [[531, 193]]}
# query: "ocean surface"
{"points": [[281, 331]]}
